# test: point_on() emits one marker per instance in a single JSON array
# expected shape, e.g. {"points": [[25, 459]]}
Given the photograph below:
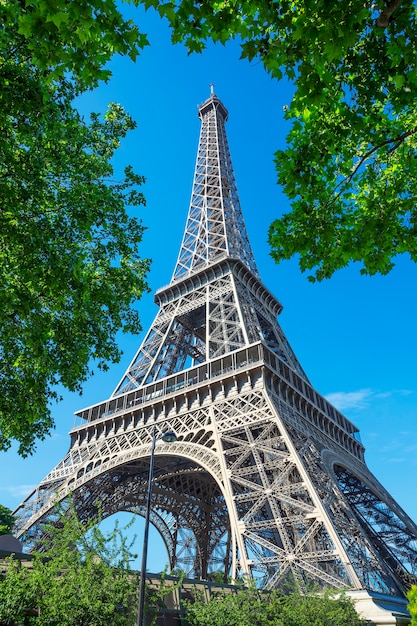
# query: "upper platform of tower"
{"points": [[215, 228], [213, 102]]}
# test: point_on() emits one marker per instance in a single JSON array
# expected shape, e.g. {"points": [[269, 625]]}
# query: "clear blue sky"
{"points": [[355, 336]]}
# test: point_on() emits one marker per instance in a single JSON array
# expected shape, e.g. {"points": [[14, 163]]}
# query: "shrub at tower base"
{"points": [[7, 520], [249, 607], [412, 604], [80, 578]]}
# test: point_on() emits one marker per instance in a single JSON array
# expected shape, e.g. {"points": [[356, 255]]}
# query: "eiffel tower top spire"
{"points": [[215, 227]]}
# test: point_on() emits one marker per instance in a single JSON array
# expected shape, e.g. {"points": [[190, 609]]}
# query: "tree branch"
{"points": [[385, 15], [397, 141]]}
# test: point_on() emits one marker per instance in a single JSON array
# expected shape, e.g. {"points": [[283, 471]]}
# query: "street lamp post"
{"points": [[169, 437]]}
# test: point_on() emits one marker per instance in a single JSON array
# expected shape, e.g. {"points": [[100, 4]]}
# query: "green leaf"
{"points": [[58, 18], [306, 114]]}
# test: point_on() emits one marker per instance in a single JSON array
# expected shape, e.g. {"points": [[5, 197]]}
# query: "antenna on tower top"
{"points": [[211, 88]]}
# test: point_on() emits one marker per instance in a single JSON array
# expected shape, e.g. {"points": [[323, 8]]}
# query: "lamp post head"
{"points": [[169, 436]]}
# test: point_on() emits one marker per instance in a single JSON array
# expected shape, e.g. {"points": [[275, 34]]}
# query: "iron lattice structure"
{"points": [[267, 479]]}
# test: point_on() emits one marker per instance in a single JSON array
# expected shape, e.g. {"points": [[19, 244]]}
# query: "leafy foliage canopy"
{"points": [[70, 265], [350, 165]]}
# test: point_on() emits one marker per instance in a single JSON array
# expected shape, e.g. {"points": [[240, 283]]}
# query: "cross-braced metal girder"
{"points": [[266, 479]]}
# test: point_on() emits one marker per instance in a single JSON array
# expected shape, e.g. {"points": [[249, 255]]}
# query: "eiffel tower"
{"points": [[266, 480]]}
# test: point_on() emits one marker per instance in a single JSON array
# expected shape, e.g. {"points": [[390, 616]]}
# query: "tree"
{"points": [[412, 604], [246, 607], [250, 607], [350, 165], [7, 520], [70, 265], [80, 578], [73, 39], [326, 609], [17, 594]]}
